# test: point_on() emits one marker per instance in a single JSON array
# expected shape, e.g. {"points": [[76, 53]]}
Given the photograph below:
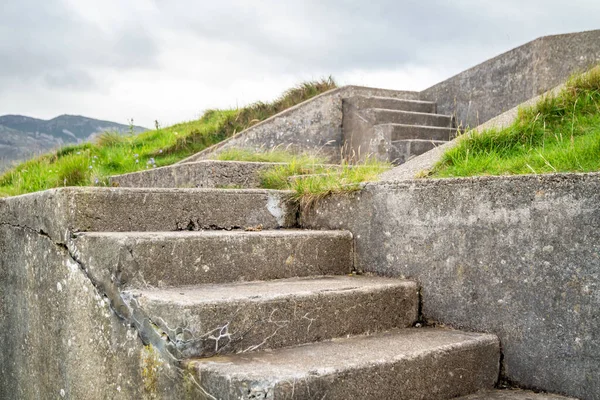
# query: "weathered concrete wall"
{"points": [[515, 256], [60, 335], [313, 126], [497, 85]]}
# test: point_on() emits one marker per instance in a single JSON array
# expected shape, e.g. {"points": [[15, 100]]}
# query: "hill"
{"points": [[22, 137]]}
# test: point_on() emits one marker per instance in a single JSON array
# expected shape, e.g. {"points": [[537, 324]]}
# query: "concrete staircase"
{"points": [[393, 130], [222, 283]]}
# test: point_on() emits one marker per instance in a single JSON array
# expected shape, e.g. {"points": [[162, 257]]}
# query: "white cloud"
{"points": [[169, 60]]}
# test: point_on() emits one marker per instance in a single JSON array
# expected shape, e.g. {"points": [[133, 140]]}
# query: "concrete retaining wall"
{"points": [[497, 85], [60, 336], [313, 126], [515, 256]]}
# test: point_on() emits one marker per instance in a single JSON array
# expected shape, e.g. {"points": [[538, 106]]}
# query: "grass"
{"points": [[307, 176], [345, 179], [92, 163], [561, 133]]}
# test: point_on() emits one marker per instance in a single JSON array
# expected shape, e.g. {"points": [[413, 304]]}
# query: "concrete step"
{"points": [[404, 150], [164, 259], [401, 365], [382, 116], [199, 174], [363, 102], [513, 394], [403, 132], [242, 317], [154, 209]]}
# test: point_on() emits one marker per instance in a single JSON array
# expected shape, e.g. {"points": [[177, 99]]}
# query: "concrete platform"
{"points": [[231, 318], [162, 259], [401, 365]]}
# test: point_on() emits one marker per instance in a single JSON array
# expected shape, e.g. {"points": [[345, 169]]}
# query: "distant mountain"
{"points": [[24, 137]]}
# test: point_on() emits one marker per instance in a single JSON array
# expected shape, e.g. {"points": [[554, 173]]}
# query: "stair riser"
{"points": [[214, 257], [398, 132], [398, 117], [287, 321], [362, 103], [203, 174], [137, 210]]}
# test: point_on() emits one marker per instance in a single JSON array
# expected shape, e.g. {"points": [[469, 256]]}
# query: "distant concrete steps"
{"points": [[401, 365], [278, 313], [392, 129], [170, 259], [199, 174]]}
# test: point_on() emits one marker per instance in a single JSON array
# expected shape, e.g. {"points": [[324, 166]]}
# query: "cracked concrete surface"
{"points": [[44, 295], [402, 364], [65, 331], [251, 315], [67, 210], [164, 259]]}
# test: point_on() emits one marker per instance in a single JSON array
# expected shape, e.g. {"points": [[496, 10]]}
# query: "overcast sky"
{"points": [[168, 60]]}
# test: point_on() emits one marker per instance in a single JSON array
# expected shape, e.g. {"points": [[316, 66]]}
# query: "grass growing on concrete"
{"points": [[560, 133], [308, 176], [92, 163], [345, 179]]}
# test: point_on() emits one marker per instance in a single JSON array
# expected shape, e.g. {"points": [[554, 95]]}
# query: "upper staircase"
{"points": [[391, 129]]}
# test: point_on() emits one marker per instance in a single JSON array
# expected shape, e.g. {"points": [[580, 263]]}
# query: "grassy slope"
{"points": [[558, 134], [92, 163]]}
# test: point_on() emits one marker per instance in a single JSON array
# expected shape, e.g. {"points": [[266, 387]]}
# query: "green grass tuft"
{"points": [[345, 179], [92, 163], [307, 176], [560, 133]]}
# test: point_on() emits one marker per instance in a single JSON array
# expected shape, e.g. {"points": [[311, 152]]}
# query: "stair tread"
{"points": [[176, 235], [513, 394], [398, 99], [268, 290], [339, 356]]}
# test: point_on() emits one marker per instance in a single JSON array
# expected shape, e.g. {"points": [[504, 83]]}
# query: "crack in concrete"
{"points": [[124, 308]]}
